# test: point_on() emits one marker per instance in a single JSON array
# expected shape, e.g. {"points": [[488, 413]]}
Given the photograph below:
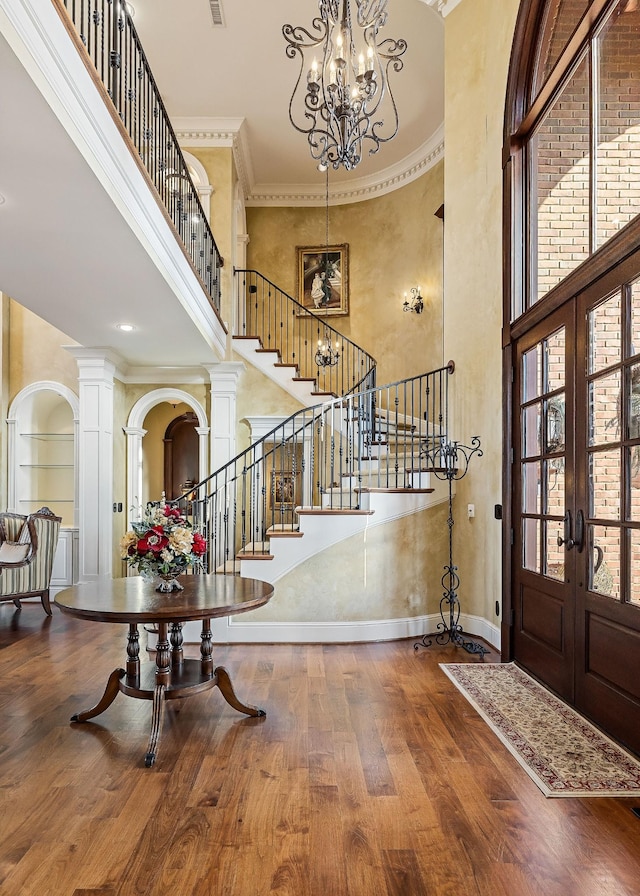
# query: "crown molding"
{"points": [[232, 132], [386, 181], [219, 133]]}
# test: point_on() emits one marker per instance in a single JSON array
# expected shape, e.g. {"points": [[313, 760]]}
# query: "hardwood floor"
{"points": [[371, 774]]}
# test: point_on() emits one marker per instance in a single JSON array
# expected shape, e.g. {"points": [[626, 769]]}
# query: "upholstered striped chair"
{"points": [[27, 549]]}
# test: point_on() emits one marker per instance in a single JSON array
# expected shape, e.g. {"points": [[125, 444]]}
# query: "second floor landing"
{"points": [[84, 240]]}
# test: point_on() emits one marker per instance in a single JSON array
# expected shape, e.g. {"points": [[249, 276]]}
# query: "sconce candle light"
{"points": [[415, 302]]}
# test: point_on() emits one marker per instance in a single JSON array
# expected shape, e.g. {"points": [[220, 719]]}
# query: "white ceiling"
{"points": [[240, 70]]}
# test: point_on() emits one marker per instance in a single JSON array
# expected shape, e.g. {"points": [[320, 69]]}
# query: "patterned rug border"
{"points": [[541, 772]]}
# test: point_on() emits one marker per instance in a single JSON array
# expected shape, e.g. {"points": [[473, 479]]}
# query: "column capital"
{"points": [[224, 375]]}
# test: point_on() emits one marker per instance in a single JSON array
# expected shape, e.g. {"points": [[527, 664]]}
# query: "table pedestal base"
{"points": [[169, 678]]}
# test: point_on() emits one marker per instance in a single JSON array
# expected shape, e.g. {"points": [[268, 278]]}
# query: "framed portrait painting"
{"points": [[283, 489], [323, 278]]}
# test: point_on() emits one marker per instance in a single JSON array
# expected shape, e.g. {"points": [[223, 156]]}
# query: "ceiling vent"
{"points": [[217, 16]]}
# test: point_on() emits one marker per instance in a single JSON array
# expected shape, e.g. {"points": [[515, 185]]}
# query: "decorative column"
{"points": [[224, 385], [96, 371], [134, 508]]}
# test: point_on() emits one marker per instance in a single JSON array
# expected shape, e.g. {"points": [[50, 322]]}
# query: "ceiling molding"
{"points": [[444, 7], [358, 189], [232, 132]]}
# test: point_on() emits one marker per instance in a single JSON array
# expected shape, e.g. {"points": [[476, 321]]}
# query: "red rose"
{"points": [[199, 545]]}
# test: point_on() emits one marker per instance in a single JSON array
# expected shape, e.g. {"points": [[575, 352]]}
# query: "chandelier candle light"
{"points": [[163, 545], [326, 355], [344, 88]]}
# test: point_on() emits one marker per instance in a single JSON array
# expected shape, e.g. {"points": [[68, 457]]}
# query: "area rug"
{"points": [[560, 750]]}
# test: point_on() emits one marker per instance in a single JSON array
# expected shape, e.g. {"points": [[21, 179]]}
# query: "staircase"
{"points": [[281, 337], [329, 471]]}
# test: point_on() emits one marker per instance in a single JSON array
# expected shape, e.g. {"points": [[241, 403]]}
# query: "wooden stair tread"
{"points": [[230, 567], [327, 511], [400, 491], [254, 555], [293, 534], [427, 470]]}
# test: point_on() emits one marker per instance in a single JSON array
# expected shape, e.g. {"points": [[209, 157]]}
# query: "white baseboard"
{"points": [[235, 630]]}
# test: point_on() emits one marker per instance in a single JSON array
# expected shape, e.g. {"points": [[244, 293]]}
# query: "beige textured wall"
{"points": [[387, 572], [35, 352], [259, 396], [218, 163], [395, 242], [475, 84]]}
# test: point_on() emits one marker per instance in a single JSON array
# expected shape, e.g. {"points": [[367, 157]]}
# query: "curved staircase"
{"points": [[328, 472]]}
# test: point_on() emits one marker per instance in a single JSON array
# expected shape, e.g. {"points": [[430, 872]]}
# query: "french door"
{"points": [[576, 502]]}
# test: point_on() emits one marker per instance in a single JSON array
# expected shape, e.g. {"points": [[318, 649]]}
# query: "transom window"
{"points": [[581, 141]]}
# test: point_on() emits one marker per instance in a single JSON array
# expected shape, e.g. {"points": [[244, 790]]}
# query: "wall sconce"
{"points": [[414, 302]]}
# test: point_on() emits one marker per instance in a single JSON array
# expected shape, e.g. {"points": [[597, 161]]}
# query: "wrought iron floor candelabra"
{"points": [[450, 461]]}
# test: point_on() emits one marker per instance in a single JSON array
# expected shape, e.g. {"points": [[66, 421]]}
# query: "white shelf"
{"points": [[49, 436]]}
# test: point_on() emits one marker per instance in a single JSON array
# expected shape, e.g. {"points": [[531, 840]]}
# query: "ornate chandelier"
{"points": [[326, 355], [343, 90]]}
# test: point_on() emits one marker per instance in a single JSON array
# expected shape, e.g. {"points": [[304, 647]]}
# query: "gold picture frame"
{"points": [[283, 489], [313, 291]]}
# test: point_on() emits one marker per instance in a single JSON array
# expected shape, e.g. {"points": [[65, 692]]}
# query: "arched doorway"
{"points": [[572, 358], [181, 456], [136, 432]]}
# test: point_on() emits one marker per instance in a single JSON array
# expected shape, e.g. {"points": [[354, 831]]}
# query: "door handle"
{"points": [[568, 540], [579, 539]]}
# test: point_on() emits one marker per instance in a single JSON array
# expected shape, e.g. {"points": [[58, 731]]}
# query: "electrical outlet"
{"points": [[471, 511]]}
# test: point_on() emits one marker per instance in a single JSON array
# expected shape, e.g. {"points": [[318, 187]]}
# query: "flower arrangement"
{"points": [[163, 544]]}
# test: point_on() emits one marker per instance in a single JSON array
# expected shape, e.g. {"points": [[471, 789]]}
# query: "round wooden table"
{"points": [[134, 601]]}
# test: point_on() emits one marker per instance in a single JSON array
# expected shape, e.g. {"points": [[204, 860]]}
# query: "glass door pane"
{"points": [[542, 416]]}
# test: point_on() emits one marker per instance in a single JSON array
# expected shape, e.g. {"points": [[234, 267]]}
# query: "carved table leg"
{"points": [[163, 679], [156, 725], [226, 689], [206, 648], [110, 694], [133, 652], [177, 654]]}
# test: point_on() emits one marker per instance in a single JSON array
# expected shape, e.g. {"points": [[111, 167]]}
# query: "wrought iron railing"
{"points": [[264, 311], [325, 457], [112, 44]]}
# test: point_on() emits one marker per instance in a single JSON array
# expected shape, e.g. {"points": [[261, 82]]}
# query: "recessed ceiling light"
{"points": [[126, 328]]}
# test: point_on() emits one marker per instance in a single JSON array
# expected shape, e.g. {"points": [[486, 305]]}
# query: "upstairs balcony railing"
{"points": [[323, 458], [112, 44], [266, 312]]}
